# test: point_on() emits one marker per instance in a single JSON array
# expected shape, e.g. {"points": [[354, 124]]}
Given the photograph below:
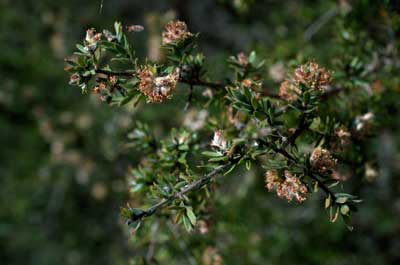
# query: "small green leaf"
{"points": [[341, 200], [316, 186], [191, 215], [252, 57], [212, 154], [216, 159], [248, 164], [230, 170], [335, 217], [187, 223], [328, 201], [82, 49]]}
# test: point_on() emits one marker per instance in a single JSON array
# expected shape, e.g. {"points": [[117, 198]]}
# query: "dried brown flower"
{"points": [[92, 38], [113, 80], [74, 79], [312, 75], [341, 139], [135, 28], [289, 91], [175, 31], [100, 88], [272, 180], [247, 83], [243, 59], [291, 187], [322, 160], [157, 89]]}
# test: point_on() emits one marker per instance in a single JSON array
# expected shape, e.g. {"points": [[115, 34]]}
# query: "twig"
{"points": [[299, 130], [192, 186], [323, 186], [191, 83], [203, 83], [117, 73]]}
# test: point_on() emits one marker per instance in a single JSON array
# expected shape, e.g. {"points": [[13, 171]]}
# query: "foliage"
{"points": [[68, 162], [297, 136]]}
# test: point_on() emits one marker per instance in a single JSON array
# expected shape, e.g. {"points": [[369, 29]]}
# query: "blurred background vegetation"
{"points": [[63, 157]]}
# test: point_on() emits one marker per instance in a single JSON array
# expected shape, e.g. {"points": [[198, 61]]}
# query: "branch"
{"points": [[323, 186], [221, 85], [116, 73], [303, 124], [192, 186], [310, 174], [299, 130], [203, 83], [189, 82]]}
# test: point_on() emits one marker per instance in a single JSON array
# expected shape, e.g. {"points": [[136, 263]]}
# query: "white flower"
{"points": [[219, 141], [91, 39], [364, 120]]}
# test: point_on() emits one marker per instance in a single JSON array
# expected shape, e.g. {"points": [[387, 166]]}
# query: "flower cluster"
{"points": [[175, 31], [291, 187], [289, 91], [322, 160], [309, 74], [272, 179], [312, 75], [157, 88], [92, 38]]}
